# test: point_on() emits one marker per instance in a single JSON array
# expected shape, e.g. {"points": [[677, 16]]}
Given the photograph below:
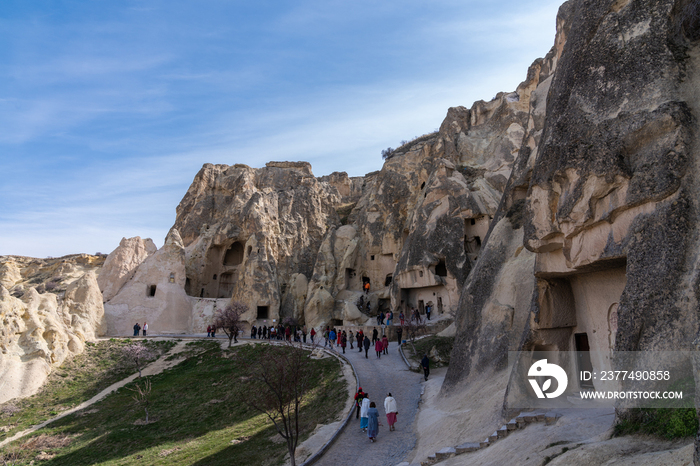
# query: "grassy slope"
{"points": [[199, 419], [77, 380]]}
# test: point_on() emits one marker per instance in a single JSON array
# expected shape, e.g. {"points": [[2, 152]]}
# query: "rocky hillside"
{"points": [[48, 308]]}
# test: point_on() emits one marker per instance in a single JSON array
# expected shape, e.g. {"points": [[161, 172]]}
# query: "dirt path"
{"points": [[378, 377], [154, 368]]}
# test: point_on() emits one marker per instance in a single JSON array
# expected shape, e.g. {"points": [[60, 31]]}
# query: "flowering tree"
{"points": [[229, 320], [138, 354]]}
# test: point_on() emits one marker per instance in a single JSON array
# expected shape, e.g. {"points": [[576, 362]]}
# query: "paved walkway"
{"points": [[378, 377]]}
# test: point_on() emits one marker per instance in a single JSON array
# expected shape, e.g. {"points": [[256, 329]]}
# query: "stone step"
{"points": [[429, 461], [502, 432], [493, 437], [512, 424], [484, 444], [467, 448], [551, 418], [445, 453]]}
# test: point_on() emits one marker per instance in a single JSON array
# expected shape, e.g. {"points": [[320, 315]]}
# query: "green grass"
{"points": [[662, 422], [77, 380], [199, 416], [442, 344]]}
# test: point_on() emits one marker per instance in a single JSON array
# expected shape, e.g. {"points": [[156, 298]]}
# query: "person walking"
{"points": [[363, 412], [208, 330], [332, 336], [145, 328], [343, 340], [425, 364], [401, 318], [375, 335], [303, 333], [428, 309], [372, 422], [378, 347], [391, 411], [260, 332], [389, 318], [350, 338], [366, 344], [313, 334], [137, 329], [359, 337], [213, 331], [385, 344], [253, 332], [399, 332], [359, 396]]}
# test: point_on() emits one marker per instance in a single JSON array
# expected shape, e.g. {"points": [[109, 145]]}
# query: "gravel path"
{"points": [[378, 377]]}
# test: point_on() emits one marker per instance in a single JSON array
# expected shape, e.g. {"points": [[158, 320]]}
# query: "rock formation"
{"points": [[155, 293], [120, 266], [41, 330], [603, 197]]}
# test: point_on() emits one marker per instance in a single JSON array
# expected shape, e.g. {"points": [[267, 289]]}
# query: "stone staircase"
{"points": [[518, 422]]}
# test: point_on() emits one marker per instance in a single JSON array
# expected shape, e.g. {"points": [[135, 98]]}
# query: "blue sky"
{"points": [[109, 109]]}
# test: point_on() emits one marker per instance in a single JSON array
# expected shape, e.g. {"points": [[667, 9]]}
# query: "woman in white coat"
{"points": [[391, 411], [364, 420]]}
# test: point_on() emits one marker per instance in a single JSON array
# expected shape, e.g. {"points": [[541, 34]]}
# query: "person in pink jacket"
{"points": [[378, 347]]}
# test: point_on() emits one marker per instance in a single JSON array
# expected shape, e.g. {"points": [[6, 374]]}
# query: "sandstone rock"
{"points": [[9, 274], [154, 294], [39, 333], [121, 264], [83, 308], [249, 233]]}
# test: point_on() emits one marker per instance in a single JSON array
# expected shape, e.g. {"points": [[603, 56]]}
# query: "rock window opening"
{"points": [[188, 287], [422, 185], [473, 221], [263, 312], [349, 274], [439, 304], [201, 293], [151, 291], [250, 249], [478, 240], [387, 280], [234, 254], [441, 269], [421, 306], [420, 273], [336, 323], [371, 257], [214, 277]]}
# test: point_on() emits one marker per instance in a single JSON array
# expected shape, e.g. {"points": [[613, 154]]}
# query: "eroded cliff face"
{"points": [[40, 330], [602, 201], [248, 231]]}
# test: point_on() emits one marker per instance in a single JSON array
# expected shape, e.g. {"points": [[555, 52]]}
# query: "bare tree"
{"points": [[411, 329], [229, 320], [141, 395], [138, 354], [279, 383]]}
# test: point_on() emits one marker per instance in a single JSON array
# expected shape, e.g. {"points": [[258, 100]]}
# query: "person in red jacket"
{"points": [[378, 347]]}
